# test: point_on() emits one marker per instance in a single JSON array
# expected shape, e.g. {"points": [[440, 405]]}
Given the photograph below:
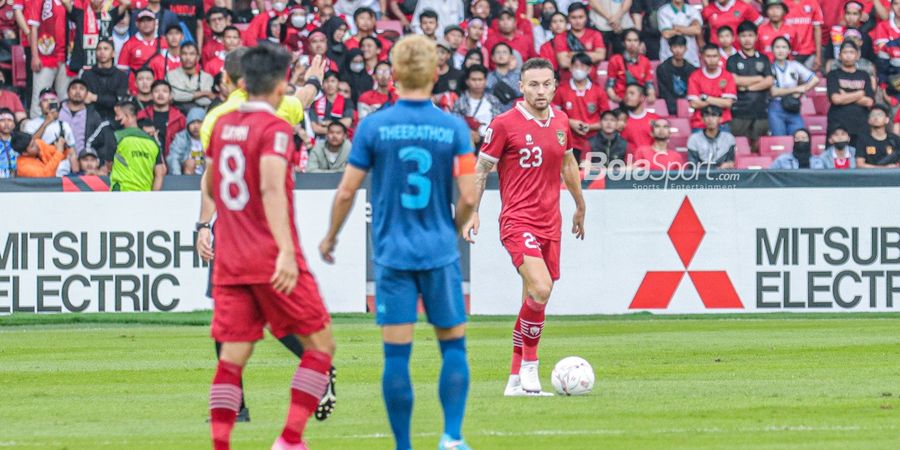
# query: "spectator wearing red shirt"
{"points": [[521, 15], [711, 85], [48, 38], [726, 45], [806, 17], [630, 67], [168, 58], [727, 13], [138, 50], [371, 101], [371, 51], [636, 131], [773, 28], [217, 18], [473, 41], [886, 37], [9, 100], [231, 38], [579, 38], [364, 18], [558, 25], [584, 102], [521, 43], [167, 120], [257, 29], [659, 155]]}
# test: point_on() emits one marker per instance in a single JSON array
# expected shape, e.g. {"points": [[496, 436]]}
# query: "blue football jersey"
{"points": [[409, 150]]}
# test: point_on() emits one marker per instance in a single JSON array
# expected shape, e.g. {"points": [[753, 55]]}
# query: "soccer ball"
{"points": [[572, 376]]}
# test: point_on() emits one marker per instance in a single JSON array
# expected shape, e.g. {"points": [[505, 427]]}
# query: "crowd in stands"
{"points": [[96, 87]]}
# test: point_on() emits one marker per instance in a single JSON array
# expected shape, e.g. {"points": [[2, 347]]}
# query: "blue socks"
{"points": [[454, 385], [398, 393]]}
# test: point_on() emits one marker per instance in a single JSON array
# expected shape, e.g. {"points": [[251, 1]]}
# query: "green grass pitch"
{"points": [[140, 381]]}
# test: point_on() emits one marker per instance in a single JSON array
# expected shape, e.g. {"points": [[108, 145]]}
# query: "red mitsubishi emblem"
{"points": [[658, 287]]}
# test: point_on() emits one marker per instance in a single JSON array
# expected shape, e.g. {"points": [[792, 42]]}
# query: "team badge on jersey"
{"points": [[561, 137], [807, 9], [592, 107], [722, 84]]}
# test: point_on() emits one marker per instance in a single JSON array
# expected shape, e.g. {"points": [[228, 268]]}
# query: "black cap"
{"points": [[20, 141], [173, 26], [88, 152], [712, 110], [77, 81]]}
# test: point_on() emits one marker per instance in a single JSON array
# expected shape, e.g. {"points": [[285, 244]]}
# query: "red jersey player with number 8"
{"points": [[531, 146]]}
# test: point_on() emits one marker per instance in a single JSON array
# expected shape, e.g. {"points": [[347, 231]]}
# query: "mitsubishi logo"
{"points": [[658, 287]]}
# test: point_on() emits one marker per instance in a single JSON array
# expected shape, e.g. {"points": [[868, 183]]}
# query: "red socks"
{"points": [[224, 402], [307, 388], [517, 348], [531, 318]]}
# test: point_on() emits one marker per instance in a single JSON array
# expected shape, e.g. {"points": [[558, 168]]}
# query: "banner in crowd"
{"points": [[124, 252], [710, 251]]}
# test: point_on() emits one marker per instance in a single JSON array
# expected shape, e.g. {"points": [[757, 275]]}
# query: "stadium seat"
{"points": [[753, 162], [19, 71], [816, 124], [742, 146], [807, 106], [242, 27], [818, 144], [822, 87], [821, 104], [775, 145], [684, 108], [389, 25], [679, 142], [602, 71], [680, 126], [659, 108]]}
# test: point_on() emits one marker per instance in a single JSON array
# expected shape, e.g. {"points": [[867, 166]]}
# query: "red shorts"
{"points": [[242, 311], [523, 243]]}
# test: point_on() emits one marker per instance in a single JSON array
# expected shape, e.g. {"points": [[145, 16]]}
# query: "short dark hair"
{"points": [[337, 123], [476, 68], [7, 111], [538, 63], [575, 6], [677, 41], [746, 26], [159, 83], [231, 28], [709, 47], [582, 58], [883, 108], [128, 107], [76, 81], [782, 38], [608, 113], [504, 44], [264, 68], [218, 10], [850, 44], [428, 13], [724, 28], [107, 41], [331, 74], [144, 69], [630, 31], [189, 44], [363, 10], [383, 63], [620, 112], [637, 85], [370, 38], [233, 66]]}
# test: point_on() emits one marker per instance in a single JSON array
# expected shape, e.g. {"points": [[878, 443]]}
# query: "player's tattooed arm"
{"points": [[482, 171], [573, 184]]}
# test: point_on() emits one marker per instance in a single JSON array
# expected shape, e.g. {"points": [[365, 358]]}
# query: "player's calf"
{"points": [[308, 385]]}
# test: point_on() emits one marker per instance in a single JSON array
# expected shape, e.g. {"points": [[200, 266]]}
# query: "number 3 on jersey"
{"points": [[532, 157], [417, 181], [233, 189]]}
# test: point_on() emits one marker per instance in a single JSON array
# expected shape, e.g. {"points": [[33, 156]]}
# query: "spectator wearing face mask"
{"points": [[840, 155], [354, 73], [800, 157], [297, 32], [583, 101], [257, 30]]}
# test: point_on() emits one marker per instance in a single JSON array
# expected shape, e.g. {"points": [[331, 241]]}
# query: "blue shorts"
{"points": [[397, 294]]}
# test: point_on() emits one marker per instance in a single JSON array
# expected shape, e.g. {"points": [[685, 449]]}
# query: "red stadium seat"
{"points": [[821, 103], [742, 146], [818, 144], [19, 71], [753, 162], [679, 142], [659, 108], [684, 108], [822, 87], [807, 106], [680, 126], [389, 25], [775, 145], [816, 124], [602, 71], [242, 26]]}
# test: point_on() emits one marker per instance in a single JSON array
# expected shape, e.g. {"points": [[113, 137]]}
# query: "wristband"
{"points": [[201, 225], [314, 81]]}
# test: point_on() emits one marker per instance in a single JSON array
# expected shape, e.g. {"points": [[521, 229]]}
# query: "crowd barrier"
{"points": [[737, 241]]}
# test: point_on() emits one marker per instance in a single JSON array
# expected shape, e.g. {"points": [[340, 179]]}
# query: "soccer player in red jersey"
{"points": [[730, 13], [267, 282], [531, 145]]}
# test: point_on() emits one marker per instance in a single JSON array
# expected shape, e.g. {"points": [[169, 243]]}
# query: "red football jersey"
{"points": [[803, 16], [136, 51], [50, 18], [767, 35], [660, 161], [731, 15], [245, 248], [586, 106], [883, 33], [637, 131], [718, 84], [625, 72], [549, 53], [521, 42], [529, 155]]}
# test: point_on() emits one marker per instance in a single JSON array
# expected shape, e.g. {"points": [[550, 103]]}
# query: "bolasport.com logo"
{"points": [[646, 174]]}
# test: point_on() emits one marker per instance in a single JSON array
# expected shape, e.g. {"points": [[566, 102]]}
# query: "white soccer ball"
{"points": [[572, 376]]}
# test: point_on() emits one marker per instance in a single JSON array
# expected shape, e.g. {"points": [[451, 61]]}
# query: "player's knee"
{"points": [[540, 291]]}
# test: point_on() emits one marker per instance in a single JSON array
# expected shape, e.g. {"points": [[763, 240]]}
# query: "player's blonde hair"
{"points": [[415, 62]]}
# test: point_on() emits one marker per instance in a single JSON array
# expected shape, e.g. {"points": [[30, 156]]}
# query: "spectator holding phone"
{"points": [[47, 125]]}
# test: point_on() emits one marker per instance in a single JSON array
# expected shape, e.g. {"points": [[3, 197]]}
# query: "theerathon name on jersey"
{"points": [[97, 271]]}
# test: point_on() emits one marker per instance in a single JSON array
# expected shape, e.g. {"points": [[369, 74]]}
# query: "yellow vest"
{"points": [[291, 110]]}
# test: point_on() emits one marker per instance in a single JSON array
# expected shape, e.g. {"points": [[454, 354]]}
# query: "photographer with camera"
{"points": [[47, 126]]}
